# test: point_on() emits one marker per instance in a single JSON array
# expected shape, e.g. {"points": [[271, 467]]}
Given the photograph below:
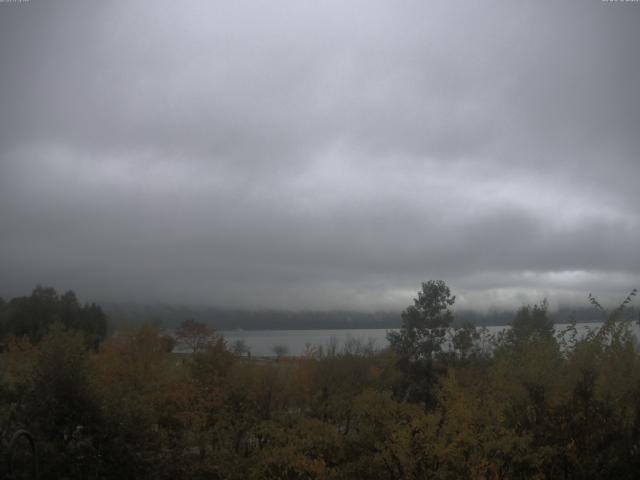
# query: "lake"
{"points": [[261, 342]]}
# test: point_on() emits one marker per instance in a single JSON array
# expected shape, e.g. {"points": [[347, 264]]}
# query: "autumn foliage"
{"points": [[530, 403]]}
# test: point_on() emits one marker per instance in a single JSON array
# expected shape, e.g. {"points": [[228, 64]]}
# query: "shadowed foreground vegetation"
{"points": [[441, 402]]}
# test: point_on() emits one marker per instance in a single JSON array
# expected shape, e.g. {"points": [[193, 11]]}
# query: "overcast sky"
{"points": [[320, 154]]}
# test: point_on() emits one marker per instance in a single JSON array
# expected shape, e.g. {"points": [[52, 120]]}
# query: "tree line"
{"points": [[442, 401], [32, 316]]}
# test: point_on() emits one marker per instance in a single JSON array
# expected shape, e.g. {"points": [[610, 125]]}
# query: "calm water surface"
{"points": [[262, 342]]}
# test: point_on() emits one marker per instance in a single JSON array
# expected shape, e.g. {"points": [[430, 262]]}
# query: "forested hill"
{"points": [[227, 319], [22, 313]]}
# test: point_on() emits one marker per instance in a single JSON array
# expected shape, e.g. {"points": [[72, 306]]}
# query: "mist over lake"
{"points": [[298, 342]]}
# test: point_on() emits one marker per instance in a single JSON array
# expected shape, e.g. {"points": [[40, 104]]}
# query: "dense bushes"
{"points": [[535, 405]]}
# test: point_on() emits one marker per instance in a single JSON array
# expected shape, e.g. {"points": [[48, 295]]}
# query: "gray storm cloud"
{"points": [[320, 154]]}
